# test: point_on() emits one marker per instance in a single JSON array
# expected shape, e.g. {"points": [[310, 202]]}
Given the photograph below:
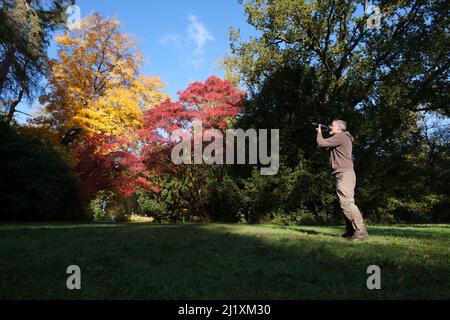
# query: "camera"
{"points": [[323, 127]]}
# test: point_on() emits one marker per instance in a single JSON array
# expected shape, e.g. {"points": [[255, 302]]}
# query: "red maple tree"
{"points": [[122, 164]]}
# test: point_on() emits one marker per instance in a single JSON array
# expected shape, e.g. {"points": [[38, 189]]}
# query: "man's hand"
{"points": [[319, 129]]}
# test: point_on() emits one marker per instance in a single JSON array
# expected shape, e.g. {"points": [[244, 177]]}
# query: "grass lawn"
{"points": [[221, 261]]}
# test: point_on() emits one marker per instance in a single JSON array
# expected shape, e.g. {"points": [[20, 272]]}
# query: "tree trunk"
{"points": [[12, 107]]}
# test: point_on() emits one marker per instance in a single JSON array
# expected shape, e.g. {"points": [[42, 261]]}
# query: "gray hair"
{"points": [[342, 124]]}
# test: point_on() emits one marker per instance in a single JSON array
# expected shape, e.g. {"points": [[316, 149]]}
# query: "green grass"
{"points": [[221, 261]]}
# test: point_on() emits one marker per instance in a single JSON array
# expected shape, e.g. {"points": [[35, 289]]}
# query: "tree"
{"points": [[215, 103], [140, 161], [25, 28], [319, 60], [354, 62], [96, 86], [106, 164]]}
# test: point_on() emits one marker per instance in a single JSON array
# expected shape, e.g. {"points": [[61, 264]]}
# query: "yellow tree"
{"points": [[96, 85]]}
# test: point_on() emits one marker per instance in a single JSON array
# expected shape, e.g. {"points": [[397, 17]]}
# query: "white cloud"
{"points": [[198, 33], [191, 45]]}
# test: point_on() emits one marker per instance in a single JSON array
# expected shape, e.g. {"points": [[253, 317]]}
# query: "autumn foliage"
{"points": [[123, 164], [105, 164], [96, 83]]}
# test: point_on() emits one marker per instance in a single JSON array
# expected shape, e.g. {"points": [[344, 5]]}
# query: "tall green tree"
{"points": [[319, 60], [25, 29], [354, 61]]}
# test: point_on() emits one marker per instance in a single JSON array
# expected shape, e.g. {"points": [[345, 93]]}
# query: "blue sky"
{"points": [[181, 40]]}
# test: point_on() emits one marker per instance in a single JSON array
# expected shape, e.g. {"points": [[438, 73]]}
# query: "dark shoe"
{"points": [[349, 229], [347, 234], [359, 235]]}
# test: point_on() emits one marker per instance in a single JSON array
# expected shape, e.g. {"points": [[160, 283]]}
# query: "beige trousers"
{"points": [[345, 190]]}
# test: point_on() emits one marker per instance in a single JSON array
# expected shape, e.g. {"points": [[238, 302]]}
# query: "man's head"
{"points": [[338, 126]]}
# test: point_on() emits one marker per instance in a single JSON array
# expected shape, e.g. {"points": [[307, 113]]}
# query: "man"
{"points": [[340, 148]]}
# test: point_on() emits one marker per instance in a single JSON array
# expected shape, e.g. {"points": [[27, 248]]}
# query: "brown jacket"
{"points": [[340, 147]]}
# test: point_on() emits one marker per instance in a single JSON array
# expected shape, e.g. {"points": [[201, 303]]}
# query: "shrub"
{"points": [[225, 198], [419, 210], [297, 195], [36, 181], [97, 210], [152, 207], [299, 217]]}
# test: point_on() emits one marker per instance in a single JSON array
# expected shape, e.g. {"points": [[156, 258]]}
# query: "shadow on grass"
{"points": [[211, 261]]}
